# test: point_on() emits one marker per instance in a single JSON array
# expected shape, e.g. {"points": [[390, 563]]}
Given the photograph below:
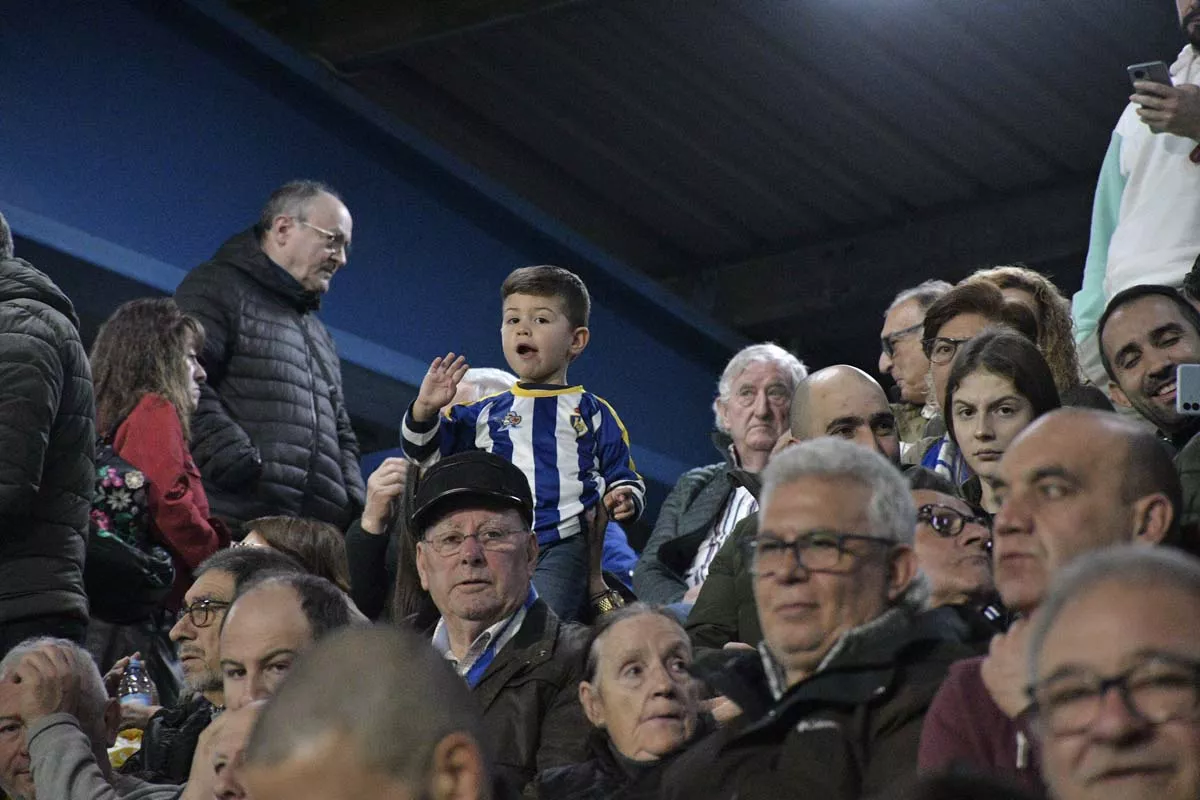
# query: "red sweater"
{"points": [[151, 439], [965, 728]]}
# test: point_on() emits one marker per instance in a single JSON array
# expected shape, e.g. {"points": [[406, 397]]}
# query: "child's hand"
{"points": [[439, 386], [619, 503]]}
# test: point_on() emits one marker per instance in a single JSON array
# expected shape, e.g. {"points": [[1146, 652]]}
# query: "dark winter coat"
{"points": [[271, 434], [848, 731], [47, 448]]}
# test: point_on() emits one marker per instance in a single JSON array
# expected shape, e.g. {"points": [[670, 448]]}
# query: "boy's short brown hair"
{"points": [[546, 280]]}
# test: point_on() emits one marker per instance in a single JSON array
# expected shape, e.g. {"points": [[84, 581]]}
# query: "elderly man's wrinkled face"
{"points": [[1098, 745], [805, 611], [476, 563], [1060, 492], [313, 246], [208, 598], [951, 337], [643, 696], [907, 363], [15, 778], [264, 632], [756, 413], [1145, 341], [957, 564]]}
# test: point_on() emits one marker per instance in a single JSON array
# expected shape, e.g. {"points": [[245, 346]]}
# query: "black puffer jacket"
{"points": [[272, 434], [47, 448]]}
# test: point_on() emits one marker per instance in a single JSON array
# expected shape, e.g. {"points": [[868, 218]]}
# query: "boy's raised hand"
{"points": [[439, 386], [619, 503]]}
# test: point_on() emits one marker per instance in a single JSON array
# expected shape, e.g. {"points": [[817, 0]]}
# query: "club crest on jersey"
{"points": [[578, 424], [511, 420]]}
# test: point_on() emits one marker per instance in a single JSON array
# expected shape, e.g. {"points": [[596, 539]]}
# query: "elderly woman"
{"points": [[754, 398], [642, 702]]}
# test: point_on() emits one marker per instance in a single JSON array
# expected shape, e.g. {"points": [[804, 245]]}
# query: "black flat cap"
{"points": [[471, 476]]}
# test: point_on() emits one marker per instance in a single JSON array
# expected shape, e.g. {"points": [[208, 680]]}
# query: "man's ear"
{"points": [[533, 554], [1118, 396], [579, 340], [1152, 518], [422, 566], [457, 770], [902, 570], [112, 720], [593, 708]]}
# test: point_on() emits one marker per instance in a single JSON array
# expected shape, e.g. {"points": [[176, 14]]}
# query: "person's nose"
{"points": [[339, 256], [472, 551], [1013, 516], [885, 363], [227, 785], [762, 405], [1115, 720], [201, 375], [974, 534], [865, 437], [182, 629], [661, 682], [985, 429]]}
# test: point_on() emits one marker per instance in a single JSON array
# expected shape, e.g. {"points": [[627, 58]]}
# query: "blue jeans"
{"points": [[561, 576]]}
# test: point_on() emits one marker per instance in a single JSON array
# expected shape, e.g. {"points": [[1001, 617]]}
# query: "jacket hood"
{"points": [[244, 252], [20, 280]]}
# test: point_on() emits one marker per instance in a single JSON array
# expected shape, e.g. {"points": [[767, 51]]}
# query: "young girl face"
{"points": [[988, 412]]}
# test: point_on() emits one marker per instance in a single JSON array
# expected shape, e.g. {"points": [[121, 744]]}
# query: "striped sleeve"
{"points": [[452, 432], [613, 456]]}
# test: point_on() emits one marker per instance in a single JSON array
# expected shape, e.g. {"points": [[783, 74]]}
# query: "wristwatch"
{"points": [[606, 602]]}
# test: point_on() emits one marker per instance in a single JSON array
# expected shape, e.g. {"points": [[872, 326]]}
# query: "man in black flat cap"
{"points": [[476, 553]]}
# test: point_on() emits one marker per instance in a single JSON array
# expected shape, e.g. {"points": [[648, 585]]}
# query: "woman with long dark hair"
{"points": [[999, 384], [147, 378]]}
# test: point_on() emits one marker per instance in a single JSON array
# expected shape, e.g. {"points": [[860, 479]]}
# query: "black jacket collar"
{"points": [[244, 252]]}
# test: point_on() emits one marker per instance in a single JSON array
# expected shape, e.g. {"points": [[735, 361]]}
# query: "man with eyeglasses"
{"points": [[833, 697], [472, 516], [903, 358], [272, 434], [169, 740], [1114, 677], [1073, 482]]}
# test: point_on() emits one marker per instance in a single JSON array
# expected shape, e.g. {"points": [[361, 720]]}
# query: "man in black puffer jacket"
{"points": [[272, 434], [47, 455]]}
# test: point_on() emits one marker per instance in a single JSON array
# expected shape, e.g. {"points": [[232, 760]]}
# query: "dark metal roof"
{"points": [[786, 165]]}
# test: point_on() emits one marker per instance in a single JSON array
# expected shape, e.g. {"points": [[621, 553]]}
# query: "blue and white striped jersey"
{"points": [[570, 444]]}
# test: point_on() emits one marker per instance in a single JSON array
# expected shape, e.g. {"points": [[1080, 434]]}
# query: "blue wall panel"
{"points": [[139, 138]]}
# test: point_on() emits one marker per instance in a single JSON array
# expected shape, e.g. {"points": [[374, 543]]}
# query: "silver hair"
{"points": [[891, 513], [6, 240], [488, 380], [926, 294], [767, 352], [1126, 564], [292, 200], [94, 699]]}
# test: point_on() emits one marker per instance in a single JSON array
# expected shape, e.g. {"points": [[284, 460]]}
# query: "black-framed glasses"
{"points": [[495, 540], [204, 612], [888, 343], [816, 551], [945, 521], [942, 349], [1159, 689]]}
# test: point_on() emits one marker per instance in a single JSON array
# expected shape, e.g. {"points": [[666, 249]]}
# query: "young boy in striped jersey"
{"points": [[570, 443]]}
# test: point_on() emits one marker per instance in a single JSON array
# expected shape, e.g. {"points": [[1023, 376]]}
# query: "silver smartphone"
{"points": [[1155, 71], [1187, 389]]}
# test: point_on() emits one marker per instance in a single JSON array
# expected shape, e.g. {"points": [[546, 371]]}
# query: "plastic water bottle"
{"points": [[136, 686]]}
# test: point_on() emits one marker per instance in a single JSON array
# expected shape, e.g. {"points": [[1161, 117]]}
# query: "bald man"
{"points": [[1073, 482], [404, 726], [841, 401]]}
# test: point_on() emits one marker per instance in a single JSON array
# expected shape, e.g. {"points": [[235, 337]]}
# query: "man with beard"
{"points": [[271, 434], [1146, 333], [1146, 216], [170, 738]]}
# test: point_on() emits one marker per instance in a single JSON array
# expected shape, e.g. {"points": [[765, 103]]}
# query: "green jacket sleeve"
{"points": [[1088, 303]]}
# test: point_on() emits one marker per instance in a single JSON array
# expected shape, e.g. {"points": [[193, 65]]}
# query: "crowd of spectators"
{"points": [[986, 588]]}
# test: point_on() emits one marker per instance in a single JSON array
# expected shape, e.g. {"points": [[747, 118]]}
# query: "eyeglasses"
{"points": [[946, 521], [888, 343], [1160, 689], [942, 349], [333, 241], [203, 612], [817, 551], [495, 540]]}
